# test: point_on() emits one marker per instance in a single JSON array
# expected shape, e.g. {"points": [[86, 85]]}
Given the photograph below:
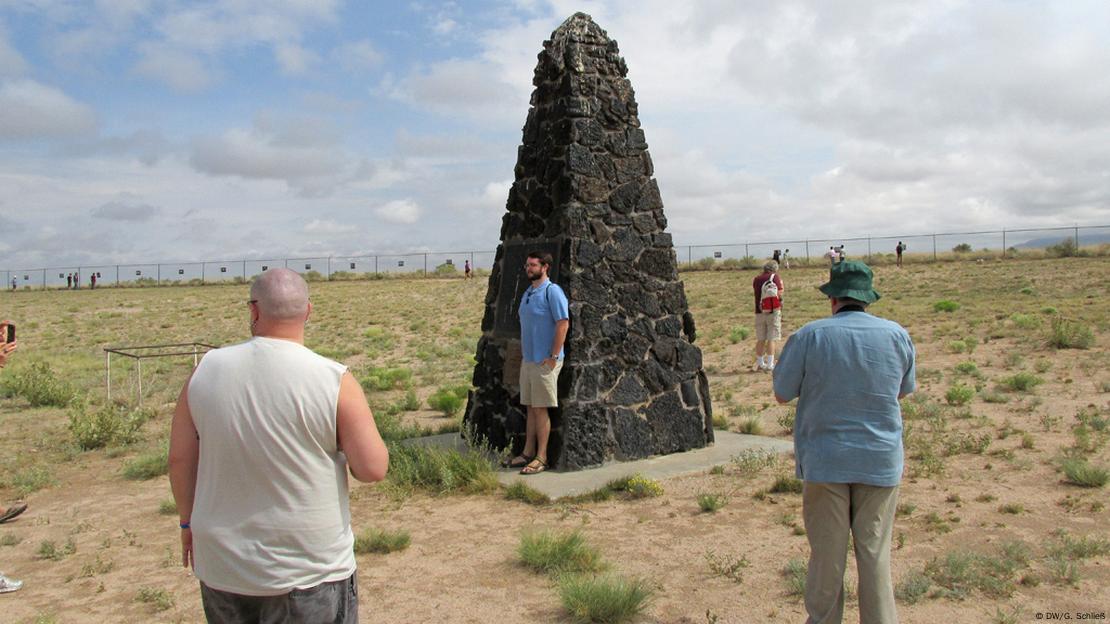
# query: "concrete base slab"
{"points": [[559, 484]]}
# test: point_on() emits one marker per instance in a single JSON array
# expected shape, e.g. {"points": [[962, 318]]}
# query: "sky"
{"points": [[164, 130]]}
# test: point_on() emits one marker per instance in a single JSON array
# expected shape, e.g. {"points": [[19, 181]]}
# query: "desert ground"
{"points": [[990, 526]]}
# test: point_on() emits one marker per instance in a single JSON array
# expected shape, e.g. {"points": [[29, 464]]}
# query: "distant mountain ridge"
{"points": [[1084, 239]]}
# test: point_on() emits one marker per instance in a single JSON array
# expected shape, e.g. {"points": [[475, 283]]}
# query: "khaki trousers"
{"points": [[831, 512]]}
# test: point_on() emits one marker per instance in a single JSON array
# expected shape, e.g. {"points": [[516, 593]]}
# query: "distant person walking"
{"points": [[13, 283], [260, 445], [786, 259], [92, 281], [544, 321], [898, 251], [6, 349], [768, 289], [76, 281], [69, 280], [831, 255], [467, 272], [840, 253], [777, 256], [848, 372]]}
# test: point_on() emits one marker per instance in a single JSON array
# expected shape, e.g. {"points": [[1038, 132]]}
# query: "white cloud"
{"points": [[358, 55], [328, 226], [11, 61], [399, 211], [178, 69], [467, 87], [238, 152], [31, 110], [295, 59], [124, 211]]}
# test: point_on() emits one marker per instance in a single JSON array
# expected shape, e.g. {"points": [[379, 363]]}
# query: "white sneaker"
{"points": [[9, 585]]}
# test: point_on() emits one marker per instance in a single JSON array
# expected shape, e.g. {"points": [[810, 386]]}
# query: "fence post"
{"points": [[159, 274], [746, 254], [244, 270], [1077, 240], [44, 279], [375, 265], [689, 254], [425, 265], [869, 249], [807, 251], [117, 275], [202, 272], [329, 268], [1003, 243], [934, 247]]}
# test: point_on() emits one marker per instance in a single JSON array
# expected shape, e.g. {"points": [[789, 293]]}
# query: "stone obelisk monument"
{"points": [[632, 384]]}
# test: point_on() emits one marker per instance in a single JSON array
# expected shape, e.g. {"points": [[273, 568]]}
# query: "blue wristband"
{"points": [[184, 525]]}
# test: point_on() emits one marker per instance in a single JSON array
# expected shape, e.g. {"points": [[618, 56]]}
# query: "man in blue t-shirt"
{"points": [[544, 321], [848, 372]]}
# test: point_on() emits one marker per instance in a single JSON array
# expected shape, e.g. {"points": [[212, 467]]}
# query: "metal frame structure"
{"points": [[138, 353]]}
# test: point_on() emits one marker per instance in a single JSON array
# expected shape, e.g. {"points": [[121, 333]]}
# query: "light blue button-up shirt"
{"points": [[847, 372], [539, 310]]}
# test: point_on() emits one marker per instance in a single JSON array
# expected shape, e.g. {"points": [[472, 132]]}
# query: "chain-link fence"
{"points": [[1074, 240]]}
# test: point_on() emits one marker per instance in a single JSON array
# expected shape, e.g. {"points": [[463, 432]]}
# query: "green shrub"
{"points": [[148, 465], [786, 485], [959, 394], [1066, 248], [967, 368], [449, 400], [913, 588], [957, 346], [1021, 382], [40, 386], [751, 426], [958, 574], [159, 599], [1067, 334], [637, 486], [710, 503], [31, 479], [962, 248], [604, 599], [558, 553], [946, 305], [439, 471], [381, 542], [384, 378], [106, 425], [167, 507], [49, 549], [786, 420], [1025, 321], [520, 491], [446, 270], [1027, 291], [1067, 547], [736, 334], [795, 574], [753, 461], [1080, 472]]}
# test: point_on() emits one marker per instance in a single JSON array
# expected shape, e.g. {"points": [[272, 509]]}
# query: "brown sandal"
{"points": [[535, 466], [519, 461], [13, 511]]}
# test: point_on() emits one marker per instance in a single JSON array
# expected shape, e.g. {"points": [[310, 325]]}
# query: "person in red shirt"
{"points": [[768, 316]]}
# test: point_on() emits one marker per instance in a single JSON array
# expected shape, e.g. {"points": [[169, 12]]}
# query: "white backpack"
{"points": [[770, 290]]}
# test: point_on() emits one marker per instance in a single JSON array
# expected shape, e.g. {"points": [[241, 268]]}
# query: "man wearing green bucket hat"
{"points": [[848, 372]]}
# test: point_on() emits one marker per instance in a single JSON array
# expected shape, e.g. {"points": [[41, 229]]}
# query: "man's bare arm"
{"points": [[183, 461], [358, 437]]}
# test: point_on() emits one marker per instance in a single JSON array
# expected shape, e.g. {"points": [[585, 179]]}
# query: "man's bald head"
{"points": [[281, 295]]}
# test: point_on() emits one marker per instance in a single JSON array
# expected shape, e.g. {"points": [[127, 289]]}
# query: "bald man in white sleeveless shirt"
{"points": [[262, 439]]}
